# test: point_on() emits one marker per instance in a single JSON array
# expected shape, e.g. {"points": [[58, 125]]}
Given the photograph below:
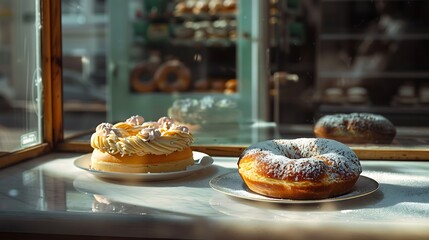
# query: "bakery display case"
{"points": [[199, 52], [171, 50], [167, 55]]}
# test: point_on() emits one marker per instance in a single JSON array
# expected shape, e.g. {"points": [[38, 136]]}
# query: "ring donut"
{"points": [[137, 75], [303, 168], [356, 128], [173, 76]]}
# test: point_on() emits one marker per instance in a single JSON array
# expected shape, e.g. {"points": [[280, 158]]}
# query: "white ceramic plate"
{"points": [[202, 161], [232, 185]]}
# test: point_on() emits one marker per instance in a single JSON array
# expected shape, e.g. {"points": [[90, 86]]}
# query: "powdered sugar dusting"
{"points": [[306, 159], [358, 122]]}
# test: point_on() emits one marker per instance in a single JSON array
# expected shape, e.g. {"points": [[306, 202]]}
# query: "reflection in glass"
{"points": [[20, 75]]}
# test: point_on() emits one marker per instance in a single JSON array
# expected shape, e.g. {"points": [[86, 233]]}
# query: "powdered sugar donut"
{"points": [[355, 128], [304, 168]]}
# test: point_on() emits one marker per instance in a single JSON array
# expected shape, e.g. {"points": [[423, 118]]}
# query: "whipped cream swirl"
{"points": [[149, 134], [135, 120], [134, 136]]}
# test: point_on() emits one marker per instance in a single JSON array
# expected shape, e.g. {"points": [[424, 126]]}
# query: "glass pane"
{"points": [[20, 75], [84, 25], [276, 67]]}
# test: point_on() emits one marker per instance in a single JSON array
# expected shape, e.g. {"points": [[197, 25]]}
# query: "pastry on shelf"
{"points": [[424, 94], [184, 7], [357, 95], [333, 95], [406, 95], [231, 86], [201, 7]]}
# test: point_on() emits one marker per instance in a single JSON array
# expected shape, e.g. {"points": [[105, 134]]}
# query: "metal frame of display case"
{"points": [[53, 136]]}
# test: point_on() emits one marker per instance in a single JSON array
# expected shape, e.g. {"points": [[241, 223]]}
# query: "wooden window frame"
{"points": [[53, 132]]}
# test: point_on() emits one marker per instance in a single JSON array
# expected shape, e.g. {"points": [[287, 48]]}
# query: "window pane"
{"points": [[283, 64], [84, 25], [20, 75]]}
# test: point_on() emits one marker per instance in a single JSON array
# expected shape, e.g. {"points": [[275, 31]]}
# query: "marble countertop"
{"points": [[49, 195]]}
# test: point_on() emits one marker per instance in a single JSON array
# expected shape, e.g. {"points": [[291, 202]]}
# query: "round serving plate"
{"points": [[202, 161], [231, 184]]}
